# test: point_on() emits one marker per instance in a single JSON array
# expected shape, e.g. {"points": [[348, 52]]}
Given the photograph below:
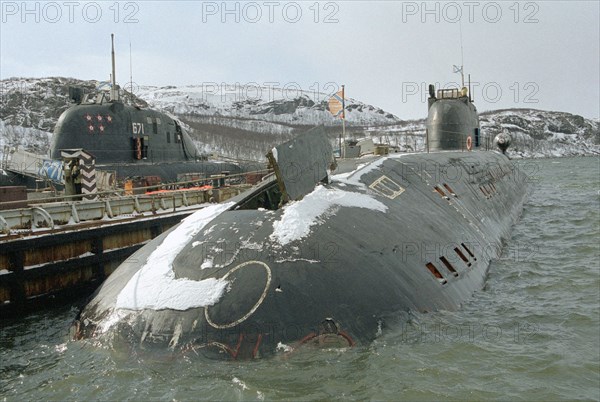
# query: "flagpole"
{"points": [[343, 123]]}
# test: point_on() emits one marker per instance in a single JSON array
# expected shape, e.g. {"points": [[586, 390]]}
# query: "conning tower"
{"points": [[116, 132], [452, 120]]}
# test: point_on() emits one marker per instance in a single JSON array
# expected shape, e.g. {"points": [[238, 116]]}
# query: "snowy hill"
{"points": [[290, 107], [243, 122], [538, 133]]}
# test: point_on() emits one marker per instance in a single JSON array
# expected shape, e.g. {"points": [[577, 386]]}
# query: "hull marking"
{"points": [[253, 309], [387, 187]]}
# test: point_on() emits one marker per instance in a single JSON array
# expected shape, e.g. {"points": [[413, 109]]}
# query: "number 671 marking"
{"points": [[138, 128]]}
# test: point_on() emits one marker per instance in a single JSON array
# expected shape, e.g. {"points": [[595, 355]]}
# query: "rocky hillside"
{"points": [[538, 133], [242, 122]]}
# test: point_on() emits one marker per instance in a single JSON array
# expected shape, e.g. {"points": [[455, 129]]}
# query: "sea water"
{"points": [[533, 332]]}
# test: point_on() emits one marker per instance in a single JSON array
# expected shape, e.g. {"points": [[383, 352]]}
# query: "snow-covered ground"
{"points": [[27, 138]]}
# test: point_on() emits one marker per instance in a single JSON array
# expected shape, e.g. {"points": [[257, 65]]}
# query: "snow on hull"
{"points": [[298, 217], [154, 286]]}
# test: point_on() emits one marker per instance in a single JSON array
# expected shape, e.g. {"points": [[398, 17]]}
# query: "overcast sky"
{"points": [[539, 54]]}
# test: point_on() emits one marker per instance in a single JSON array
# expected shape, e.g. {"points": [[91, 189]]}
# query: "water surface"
{"points": [[533, 333]]}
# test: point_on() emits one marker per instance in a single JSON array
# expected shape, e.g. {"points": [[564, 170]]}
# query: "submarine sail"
{"points": [[452, 121], [129, 139]]}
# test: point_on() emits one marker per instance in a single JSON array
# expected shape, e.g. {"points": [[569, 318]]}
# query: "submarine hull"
{"points": [[110, 131], [238, 280], [133, 142], [173, 171]]}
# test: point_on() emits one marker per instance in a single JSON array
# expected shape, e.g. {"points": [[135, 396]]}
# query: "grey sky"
{"points": [[539, 54]]}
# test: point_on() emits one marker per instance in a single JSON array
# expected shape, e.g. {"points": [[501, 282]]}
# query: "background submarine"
{"points": [[130, 140], [310, 258]]}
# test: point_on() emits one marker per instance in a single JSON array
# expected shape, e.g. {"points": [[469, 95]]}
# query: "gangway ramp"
{"points": [[32, 165]]}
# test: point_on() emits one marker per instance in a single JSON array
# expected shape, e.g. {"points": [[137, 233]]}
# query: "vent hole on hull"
{"points": [[441, 192], [450, 190], [462, 256], [468, 251], [434, 271], [449, 266]]}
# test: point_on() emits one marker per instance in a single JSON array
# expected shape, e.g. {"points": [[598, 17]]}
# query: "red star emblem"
{"points": [[88, 117], [101, 128], [91, 127], [99, 117], [109, 119]]}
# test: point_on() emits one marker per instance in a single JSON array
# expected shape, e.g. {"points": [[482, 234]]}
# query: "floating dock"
{"points": [[54, 251]]}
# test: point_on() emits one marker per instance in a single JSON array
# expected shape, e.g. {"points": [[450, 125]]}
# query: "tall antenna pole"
{"points": [[130, 71], [114, 92], [462, 61]]}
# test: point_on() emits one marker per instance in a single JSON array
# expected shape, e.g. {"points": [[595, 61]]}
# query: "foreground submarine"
{"points": [[312, 256]]}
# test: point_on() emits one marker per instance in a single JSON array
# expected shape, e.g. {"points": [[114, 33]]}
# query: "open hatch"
{"points": [[299, 165]]}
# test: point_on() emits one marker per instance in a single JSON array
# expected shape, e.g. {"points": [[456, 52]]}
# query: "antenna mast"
{"points": [[114, 91], [130, 72], [462, 62]]}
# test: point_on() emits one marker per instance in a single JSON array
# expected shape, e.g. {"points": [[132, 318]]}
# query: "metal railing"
{"points": [[51, 212]]}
